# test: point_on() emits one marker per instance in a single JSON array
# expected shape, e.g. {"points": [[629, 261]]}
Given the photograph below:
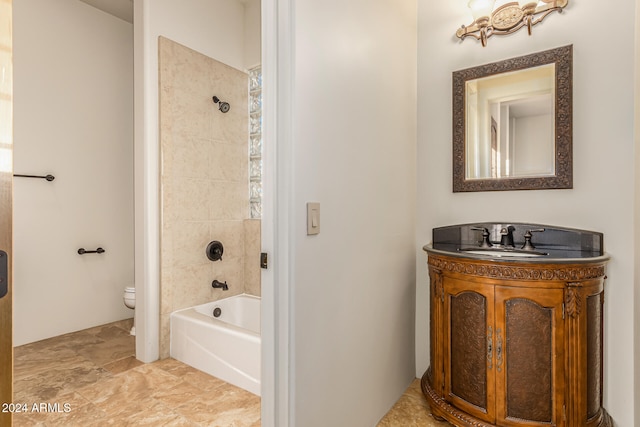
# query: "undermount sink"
{"points": [[503, 252]]}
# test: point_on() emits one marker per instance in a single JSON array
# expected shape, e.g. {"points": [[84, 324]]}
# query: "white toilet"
{"points": [[130, 301]]}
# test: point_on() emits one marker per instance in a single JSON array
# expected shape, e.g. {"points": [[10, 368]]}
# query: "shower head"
{"points": [[223, 106]]}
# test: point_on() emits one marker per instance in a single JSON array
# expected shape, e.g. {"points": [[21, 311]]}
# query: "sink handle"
{"points": [[528, 246], [485, 236]]}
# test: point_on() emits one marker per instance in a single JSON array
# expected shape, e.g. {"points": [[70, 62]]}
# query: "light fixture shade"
{"points": [[481, 8]]}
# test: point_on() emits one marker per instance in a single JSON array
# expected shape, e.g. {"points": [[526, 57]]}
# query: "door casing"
{"points": [[6, 209]]}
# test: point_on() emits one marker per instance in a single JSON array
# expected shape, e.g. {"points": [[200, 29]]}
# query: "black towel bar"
{"points": [[47, 177], [83, 251]]}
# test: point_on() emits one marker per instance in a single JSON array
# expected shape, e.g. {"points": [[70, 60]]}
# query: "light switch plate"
{"points": [[313, 218]]}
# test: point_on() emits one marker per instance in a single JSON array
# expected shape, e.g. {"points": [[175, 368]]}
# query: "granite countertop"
{"points": [[558, 244]]}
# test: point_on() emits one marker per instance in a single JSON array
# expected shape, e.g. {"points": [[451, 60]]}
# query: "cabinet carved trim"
{"points": [[451, 412], [522, 272], [573, 300], [436, 283]]}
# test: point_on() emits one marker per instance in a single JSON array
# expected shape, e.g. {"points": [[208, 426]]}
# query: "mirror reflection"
{"points": [[510, 125]]}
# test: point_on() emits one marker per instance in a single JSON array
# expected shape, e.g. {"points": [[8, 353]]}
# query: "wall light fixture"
{"points": [[508, 18]]}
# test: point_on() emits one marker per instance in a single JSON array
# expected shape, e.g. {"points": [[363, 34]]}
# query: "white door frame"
{"points": [[277, 69], [277, 93]]}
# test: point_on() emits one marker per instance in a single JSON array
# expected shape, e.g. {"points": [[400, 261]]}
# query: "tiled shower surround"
{"points": [[204, 183]]}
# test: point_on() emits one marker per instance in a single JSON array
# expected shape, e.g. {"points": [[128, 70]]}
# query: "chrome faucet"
{"points": [[507, 236], [220, 285]]}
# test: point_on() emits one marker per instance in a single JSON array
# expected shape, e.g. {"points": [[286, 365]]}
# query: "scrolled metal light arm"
{"points": [[509, 18]]}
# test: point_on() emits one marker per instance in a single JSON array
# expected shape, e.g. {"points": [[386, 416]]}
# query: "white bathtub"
{"points": [[227, 347]]}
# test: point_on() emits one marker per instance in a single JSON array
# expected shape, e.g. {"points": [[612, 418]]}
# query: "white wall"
{"points": [[603, 193], [214, 28], [636, 233], [73, 111], [252, 33], [353, 285], [533, 148]]}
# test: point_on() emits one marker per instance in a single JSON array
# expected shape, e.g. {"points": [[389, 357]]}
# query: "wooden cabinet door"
{"points": [[469, 380], [529, 356]]}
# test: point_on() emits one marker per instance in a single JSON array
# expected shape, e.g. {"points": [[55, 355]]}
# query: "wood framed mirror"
{"points": [[513, 124]]}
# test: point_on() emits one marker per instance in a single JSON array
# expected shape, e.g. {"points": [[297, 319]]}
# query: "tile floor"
{"points": [[91, 378]]}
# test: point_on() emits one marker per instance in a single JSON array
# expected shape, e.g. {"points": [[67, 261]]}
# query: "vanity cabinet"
{"points": [[515, 343]]}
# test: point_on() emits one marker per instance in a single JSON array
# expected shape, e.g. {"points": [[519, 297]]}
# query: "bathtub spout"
{"points": [[220, 285]]}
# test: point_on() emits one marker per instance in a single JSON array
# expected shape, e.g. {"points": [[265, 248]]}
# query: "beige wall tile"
{"points": [[190, 241], [166, 242], [166, 290], [225, 126], [165, 336], [227, 161], [187, 199], [189, 157], [231, 235], [229, 200], [192, 115], [204, 182], [192, 286], [252, 249]]}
